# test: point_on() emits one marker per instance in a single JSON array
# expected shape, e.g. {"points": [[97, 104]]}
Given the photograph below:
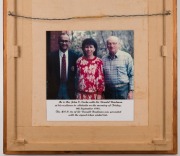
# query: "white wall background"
{"points": [[1, 78]]}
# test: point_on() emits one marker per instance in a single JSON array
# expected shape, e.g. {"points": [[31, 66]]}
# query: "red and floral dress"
{"points": [[90, 78]]}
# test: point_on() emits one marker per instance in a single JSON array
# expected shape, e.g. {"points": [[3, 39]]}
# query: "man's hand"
{"points": [[98, 97], [130, 95]]}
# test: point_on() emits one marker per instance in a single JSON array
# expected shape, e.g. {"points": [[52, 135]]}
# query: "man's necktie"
{"points": [[63, 69]]}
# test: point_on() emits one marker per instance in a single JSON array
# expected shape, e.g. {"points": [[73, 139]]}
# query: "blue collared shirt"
{"points": [[119, 70]]}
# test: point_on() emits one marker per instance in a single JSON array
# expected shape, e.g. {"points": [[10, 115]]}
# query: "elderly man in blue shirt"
{"points": [[118, 71]]}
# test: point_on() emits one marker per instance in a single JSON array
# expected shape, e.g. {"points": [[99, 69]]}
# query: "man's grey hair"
{"points": [[115, 38]]}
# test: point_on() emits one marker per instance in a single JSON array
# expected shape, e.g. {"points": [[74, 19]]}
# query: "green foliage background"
{"points": [[126, 39]]}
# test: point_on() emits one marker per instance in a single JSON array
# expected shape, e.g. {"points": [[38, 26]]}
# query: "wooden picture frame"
{"points": [[154, 128]]}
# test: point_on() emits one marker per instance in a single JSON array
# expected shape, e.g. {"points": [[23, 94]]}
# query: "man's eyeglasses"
{"points": [[64, 41]]}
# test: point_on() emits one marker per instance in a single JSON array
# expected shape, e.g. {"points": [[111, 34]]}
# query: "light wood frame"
{"points": [[14, 143]]}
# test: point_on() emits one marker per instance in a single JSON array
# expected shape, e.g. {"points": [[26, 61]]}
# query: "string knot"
{"points": [[10, 13], [168, 12]]}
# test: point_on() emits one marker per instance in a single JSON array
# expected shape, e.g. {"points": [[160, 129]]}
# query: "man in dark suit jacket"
{"points": [[58, 87]]}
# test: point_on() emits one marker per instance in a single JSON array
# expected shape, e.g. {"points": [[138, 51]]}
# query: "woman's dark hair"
{"points": [[90, 41]]}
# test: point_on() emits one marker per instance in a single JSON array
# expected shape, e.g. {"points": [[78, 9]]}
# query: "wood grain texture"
{"points": [[5, 76], [153, 151], [175, 109]]}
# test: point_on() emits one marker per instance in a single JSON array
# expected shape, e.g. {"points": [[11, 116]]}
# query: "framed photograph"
{"points": [[91, 77]]}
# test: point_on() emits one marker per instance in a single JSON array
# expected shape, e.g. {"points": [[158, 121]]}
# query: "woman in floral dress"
{"points": [[89, 72]]}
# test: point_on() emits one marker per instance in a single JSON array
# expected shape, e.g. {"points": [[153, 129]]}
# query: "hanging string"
{"points": [[87, 17]]}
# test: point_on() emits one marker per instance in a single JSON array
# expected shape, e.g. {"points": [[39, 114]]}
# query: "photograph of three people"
{"points": [[90, 65]]}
